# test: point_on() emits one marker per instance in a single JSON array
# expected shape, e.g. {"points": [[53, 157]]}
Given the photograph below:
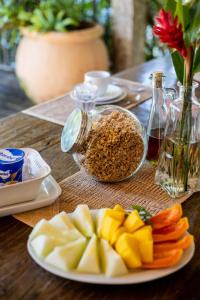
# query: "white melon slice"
{"points": [[67, 257], [99, 219], [43, 245], [112, 263], [83, 220], [89, 262], [72, 235], [62, 221], [43, 227]]}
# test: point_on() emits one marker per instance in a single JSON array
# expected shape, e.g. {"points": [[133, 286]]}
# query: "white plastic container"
{"points": [[35, 170]]}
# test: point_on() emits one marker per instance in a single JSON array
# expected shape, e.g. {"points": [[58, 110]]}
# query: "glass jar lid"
{"points": [[73, 131]]}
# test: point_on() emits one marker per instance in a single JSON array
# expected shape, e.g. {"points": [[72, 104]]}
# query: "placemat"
{"points": [[80, 188], [58, 109]]}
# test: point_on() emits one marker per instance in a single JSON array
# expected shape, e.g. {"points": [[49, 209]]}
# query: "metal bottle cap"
{"points": [[73, 132]]}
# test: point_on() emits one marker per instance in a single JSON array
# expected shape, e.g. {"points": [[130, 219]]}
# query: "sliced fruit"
{"points": [[116, 234], [67, 257], [168, 216], [109, 226], [165, 262], [133, 221], [183, 243], [164, 254], [83, 220], [62, 221], [128, 248], [89, 262], [42, 245], [165, 230], [143, 234], [116, 214], [179, 229], [118, 207], [44, 228], [112, 263], [99, 219], [146, 251]]}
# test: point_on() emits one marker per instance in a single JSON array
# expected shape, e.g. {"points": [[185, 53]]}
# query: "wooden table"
{"points": [[21, 278]]}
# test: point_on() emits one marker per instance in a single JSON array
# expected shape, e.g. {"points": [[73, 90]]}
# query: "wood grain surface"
{"points": [[21, 278]]}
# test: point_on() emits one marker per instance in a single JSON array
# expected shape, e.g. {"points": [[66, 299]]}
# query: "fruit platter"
{"points": [[112, 246]]}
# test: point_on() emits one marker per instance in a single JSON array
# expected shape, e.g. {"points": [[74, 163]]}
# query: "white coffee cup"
{"points": [[99, 78]]}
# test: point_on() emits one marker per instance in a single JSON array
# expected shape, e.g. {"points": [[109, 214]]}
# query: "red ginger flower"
{"points": [[170, 32]]}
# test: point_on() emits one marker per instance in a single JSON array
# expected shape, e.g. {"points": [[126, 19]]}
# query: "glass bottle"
{"points": [[178, 169], [161, 100], [107, 142]]}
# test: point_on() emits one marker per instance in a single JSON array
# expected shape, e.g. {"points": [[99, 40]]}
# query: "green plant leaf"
{"points": [[170, 5], [178, 63], [195, 27], [183, 14], [60, 15], [196, 64], [144, 214], [69, 22]]}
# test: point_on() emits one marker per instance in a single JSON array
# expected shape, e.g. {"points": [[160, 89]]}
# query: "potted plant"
{"points": [[178, 26], [58, 45]]}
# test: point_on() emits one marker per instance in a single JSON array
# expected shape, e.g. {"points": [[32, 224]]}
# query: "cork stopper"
{"points": [[157, 79]]}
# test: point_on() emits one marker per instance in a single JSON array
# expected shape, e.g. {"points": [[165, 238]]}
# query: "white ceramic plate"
{"points": [[112, 92], [135, 277], [115, 100], [48, 193]]}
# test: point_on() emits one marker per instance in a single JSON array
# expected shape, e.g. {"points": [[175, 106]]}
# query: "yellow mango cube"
{"points": [[146, 251], [116, 214], [117, 234], [133, 221], [118, 207], [128, 249], [143, 234], [109, 226]]}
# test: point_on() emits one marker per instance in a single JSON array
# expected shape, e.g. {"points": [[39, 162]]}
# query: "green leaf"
{"points": [[69, 22], [178, 63], [196, 64], [170, 5], [187, 2], [50, 16], [182, 12], [60, 15], [144, 214], [195, 27], [60, 27]]}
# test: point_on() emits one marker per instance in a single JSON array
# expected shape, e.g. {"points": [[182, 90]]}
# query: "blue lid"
{"points": [[11, 155]]}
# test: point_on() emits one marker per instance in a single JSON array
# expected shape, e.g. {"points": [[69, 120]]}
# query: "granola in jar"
{"points": [[113, 147]]}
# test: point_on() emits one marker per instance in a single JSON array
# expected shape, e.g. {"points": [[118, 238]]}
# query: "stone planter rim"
{"points": [[76, 36]]}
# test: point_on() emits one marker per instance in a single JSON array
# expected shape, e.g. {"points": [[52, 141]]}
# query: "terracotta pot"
{"points": [[49, 64]]}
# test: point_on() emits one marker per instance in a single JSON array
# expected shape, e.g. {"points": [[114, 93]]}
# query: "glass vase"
{"points": [[178, 170]]}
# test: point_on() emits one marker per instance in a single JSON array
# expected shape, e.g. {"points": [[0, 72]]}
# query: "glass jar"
{"points": [[178, 170], [108, 142]]}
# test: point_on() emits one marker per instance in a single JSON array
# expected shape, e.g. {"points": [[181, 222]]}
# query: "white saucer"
{"points": [[49, 192], [112, 92], [115, 100]]}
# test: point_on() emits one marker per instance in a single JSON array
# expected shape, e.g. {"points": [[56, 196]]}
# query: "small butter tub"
{"points": [[11, 164]]}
